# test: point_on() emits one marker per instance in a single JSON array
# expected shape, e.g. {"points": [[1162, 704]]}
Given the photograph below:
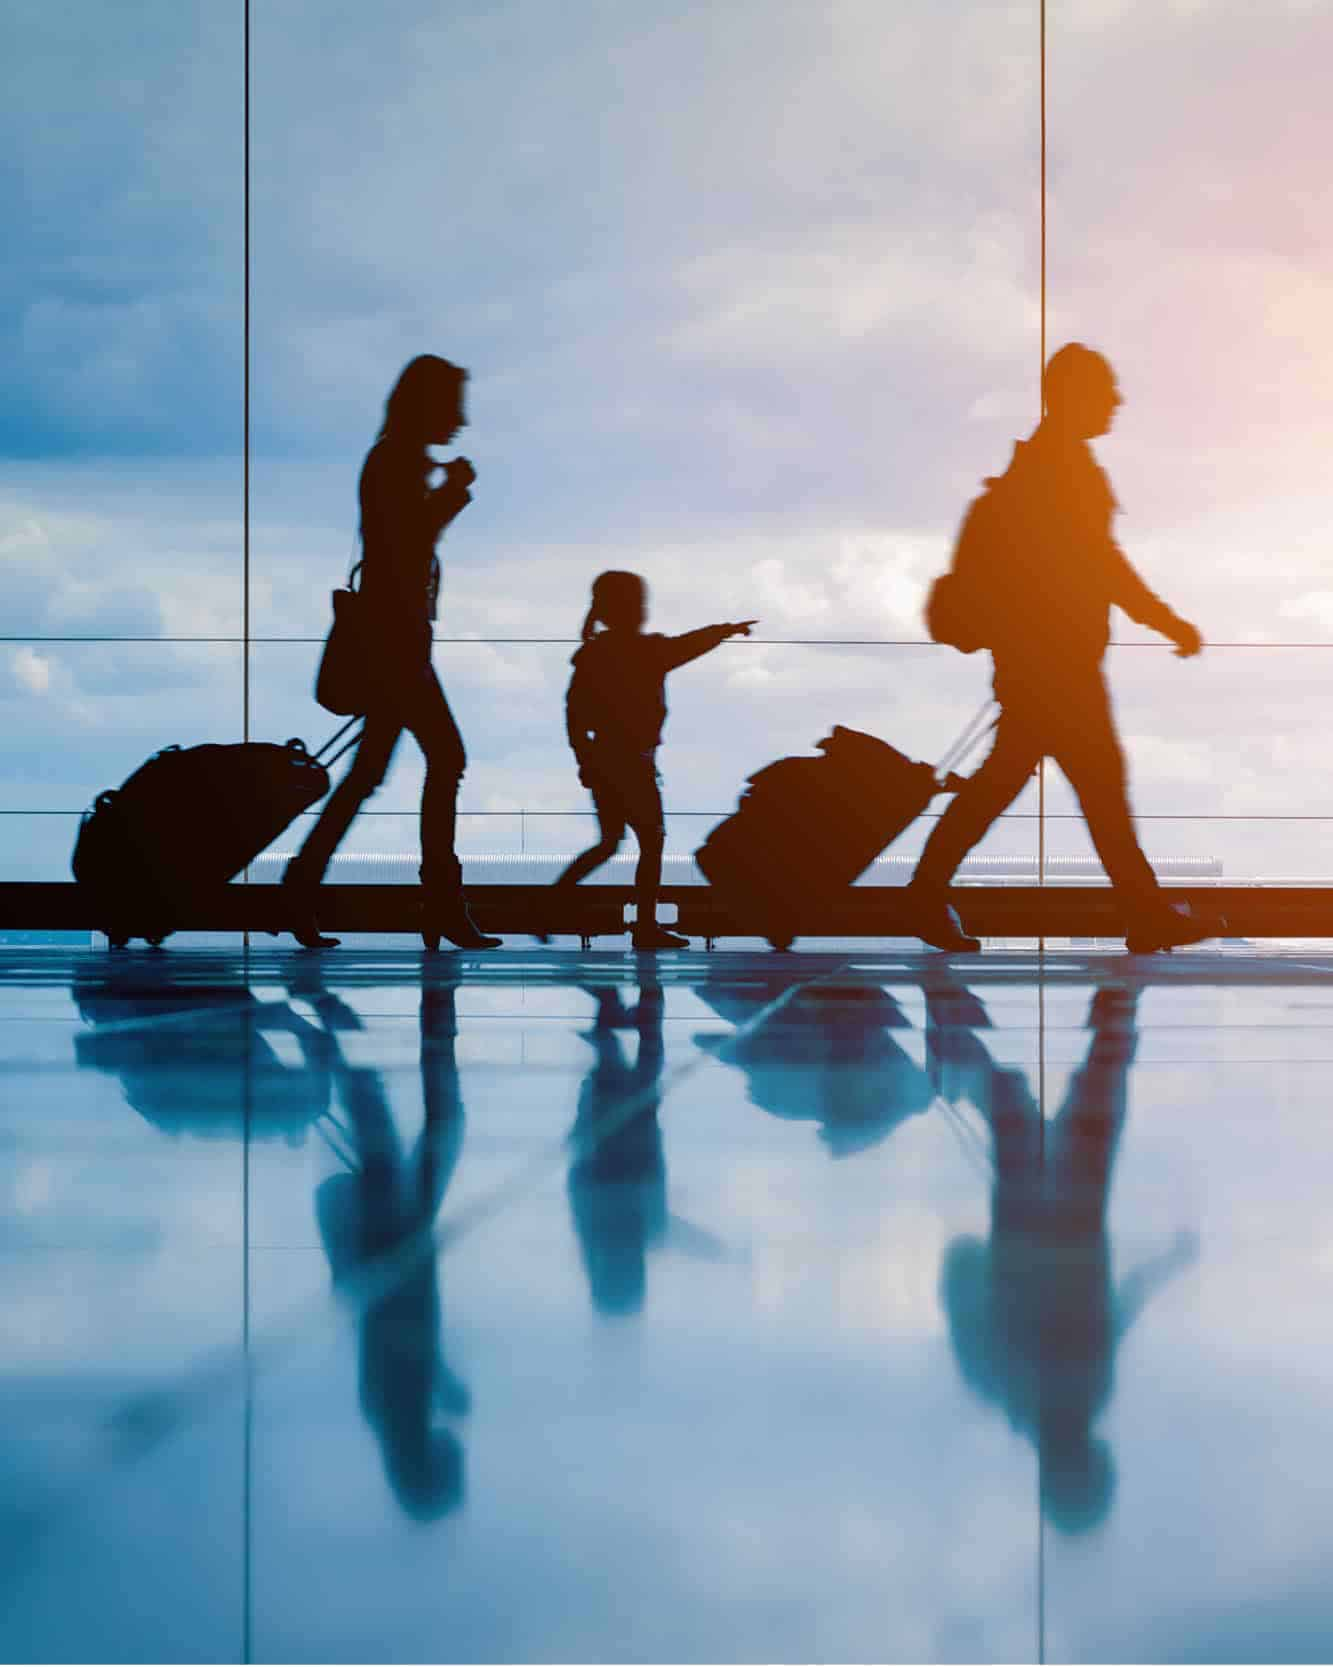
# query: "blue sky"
{"points": [[749, 292]]}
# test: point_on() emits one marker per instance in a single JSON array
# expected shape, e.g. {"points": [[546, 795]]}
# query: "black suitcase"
{"points": [[186, 822], [806, 828]]}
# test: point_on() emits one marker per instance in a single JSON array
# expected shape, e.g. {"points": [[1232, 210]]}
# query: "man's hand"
{"points": [[741, 628], [1187, 639]]}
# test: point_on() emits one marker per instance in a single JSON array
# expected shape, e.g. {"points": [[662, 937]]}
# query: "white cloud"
{"points": [[759, 342], [31, 671]]}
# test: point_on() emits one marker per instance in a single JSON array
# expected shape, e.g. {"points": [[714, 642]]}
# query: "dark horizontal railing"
{"points": [[587, 912]]}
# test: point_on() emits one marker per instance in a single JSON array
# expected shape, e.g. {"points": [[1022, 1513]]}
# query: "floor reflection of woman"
{"points": [[402, 518], [377, 1224]]}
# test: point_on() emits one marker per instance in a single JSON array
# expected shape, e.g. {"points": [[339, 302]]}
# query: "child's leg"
{"points": [[643, 811], [611, 830], [642, 805], [648, 873]]}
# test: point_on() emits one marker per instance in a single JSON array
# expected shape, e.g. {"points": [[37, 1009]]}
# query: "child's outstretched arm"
{"points": [[1146, 1280], [681, 650]]}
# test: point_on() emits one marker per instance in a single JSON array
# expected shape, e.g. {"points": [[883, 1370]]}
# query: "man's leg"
{"points": [[976, 805], [1085, 745]]}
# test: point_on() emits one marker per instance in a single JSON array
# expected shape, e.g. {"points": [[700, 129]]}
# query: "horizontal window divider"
{"points": [[930, 815], [565, 642]]}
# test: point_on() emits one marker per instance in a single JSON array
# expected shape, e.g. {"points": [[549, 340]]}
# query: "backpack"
{"points": [[962, 604]]}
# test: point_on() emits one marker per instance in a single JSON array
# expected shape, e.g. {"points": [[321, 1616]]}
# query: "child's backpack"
{"points": [[964, 605]]}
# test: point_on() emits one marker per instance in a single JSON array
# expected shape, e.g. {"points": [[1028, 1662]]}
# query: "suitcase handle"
{"points": [[333, 741], [975, 730]]}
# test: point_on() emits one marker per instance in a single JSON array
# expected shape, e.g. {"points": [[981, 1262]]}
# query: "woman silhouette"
{"points": [[402, 517]]}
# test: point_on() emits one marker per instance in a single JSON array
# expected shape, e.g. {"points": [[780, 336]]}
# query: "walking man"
{"points": [[1037, 581]]}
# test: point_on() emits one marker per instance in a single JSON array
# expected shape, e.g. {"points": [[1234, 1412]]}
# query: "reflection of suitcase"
{"points": [[186, 822], [215, 1080], [807, 827]]}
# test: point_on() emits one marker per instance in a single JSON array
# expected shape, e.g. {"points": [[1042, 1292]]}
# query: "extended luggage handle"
{"points": [[337, 736], [296, 744], [976, 729]]}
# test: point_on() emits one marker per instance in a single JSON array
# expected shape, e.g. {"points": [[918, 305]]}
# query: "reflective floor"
{"points": [[548, 1307]]}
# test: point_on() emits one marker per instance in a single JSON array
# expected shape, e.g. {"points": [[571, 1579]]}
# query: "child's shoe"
{"points": [[653, 936]]}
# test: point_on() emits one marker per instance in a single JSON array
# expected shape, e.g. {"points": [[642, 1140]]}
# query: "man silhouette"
{"points": [[1043, 607]]}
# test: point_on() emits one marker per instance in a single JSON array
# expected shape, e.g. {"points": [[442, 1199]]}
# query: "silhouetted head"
{"points": [[425, 407], [619, 602], [1080, 391], [1077, 1476]]}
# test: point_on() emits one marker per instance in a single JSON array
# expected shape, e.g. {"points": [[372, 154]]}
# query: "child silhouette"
{"points": [[615, 710]]}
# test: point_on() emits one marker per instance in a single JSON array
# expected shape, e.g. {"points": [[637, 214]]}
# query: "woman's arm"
{"points": [[451, 497]]}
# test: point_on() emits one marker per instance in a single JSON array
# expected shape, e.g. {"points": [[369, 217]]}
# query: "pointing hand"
{"points": [[742, 627]]}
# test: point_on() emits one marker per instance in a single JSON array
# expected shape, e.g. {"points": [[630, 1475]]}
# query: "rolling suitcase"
{"points": [[806, 828], [188, 821]]}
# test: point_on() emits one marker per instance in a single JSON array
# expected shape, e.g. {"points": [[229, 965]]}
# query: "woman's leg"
{"points": [[370, 764], [432, 723], [445, 913]]}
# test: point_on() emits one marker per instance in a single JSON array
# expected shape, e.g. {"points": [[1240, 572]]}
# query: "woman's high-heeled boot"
{"points": [[300, 898], [447, 917]]}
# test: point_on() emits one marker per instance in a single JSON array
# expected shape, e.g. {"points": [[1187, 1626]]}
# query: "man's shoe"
{"points": [[935, 921], [657, 937], [1172, 927]]}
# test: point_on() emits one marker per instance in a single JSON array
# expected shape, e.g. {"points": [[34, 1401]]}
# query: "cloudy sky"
{"points": [[750, 296]]}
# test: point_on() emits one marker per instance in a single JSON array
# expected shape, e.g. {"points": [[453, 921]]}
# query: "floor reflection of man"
{"points": [[1034, 1316], [376, 1223]]}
